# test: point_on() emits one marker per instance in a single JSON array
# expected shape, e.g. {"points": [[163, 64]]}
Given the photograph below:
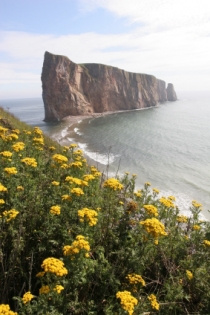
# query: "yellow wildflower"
{"points": [[196, 204], [154, 227], [167, 203], [2, 201], [10, 170], [73, 145], [113, 183], [59, 158], [66, 197], [76, 164], [27, 297], [127, 301], [77, 191], [206, 243], [2, 188], [20, 188], [89, 214], [44, 289], [40, 274], [58, 288], [54, 183], [152, 210], [54, 265], [156, 191], [189, 274], [29, 161], [52, 148], [6, 154], [79, 244], [182, 219], [5, 310], [196, 227], [55, 210], [155, 305], [135, 279], [10, 214], [19, 146], [88, 177], [37, 131]]}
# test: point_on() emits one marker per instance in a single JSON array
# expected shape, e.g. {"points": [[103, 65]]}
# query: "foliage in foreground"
{"points": [[74, 242]]}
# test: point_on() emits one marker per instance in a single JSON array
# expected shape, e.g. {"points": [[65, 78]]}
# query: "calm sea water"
{"points": [[168, 146]]}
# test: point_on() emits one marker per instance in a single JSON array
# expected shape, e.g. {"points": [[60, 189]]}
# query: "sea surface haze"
{"points": [[168, 145]]}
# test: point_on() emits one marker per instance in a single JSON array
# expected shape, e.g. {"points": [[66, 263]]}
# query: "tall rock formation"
{"points": [[171, 94], [84, 89]]}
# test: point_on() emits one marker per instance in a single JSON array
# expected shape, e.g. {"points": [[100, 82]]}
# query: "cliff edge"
{"points": [[84, 89]]}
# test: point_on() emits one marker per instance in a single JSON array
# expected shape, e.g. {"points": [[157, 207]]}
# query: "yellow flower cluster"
{"points": [[55, 266], [113, 183], [172, 198], [66, 197], [88, 177], [76, 164], [182, 219], [2, 188], [73, 145], [10, 214], [77, 191], [95, 172], [58, 288], [196, 227], [54, 183], [154, 227], [59, 158], [7, 154], [5, 310], [44, 289], [19, 146], [27, 297], [2, 201], [77, 181], [155, 305], [135, 279], [29, 161], [138, 193], [189, 274], [152, 210], [55, 210], [10, 170], [127, 301], [167, 202], [156, 191], [206, 243], [20, 188], [88, 214], [37, 131], [77, 245], [196, 204], [38, 141]]}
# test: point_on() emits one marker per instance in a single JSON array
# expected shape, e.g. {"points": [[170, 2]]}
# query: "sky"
{"points": [[169, 39]]}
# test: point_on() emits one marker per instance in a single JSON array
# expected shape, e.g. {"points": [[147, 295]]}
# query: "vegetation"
{"points": [[75, 242]]}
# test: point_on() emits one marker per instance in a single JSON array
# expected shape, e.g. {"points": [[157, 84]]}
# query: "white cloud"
{"points": [[170, 39]]}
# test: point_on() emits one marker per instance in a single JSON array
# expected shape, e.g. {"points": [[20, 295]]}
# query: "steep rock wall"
{"points": [[76, 89]]}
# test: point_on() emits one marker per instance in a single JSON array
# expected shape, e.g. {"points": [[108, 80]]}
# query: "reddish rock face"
{"points": [[73, 89]]}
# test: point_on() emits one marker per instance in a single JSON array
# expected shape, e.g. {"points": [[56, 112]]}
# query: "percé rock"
{"points": [[85, 89], [171, 94]]}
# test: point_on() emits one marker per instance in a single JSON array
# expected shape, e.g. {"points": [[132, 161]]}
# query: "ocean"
{"points": [[168, 145]]}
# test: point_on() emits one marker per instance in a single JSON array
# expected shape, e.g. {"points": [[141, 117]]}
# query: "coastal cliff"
{"points": [[85, 89]]}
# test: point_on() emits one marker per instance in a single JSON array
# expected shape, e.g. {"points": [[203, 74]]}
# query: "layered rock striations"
{"points": [[85, 89]]}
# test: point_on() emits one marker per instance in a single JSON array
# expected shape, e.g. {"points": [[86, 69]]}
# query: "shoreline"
{"points": [[74, 120]]}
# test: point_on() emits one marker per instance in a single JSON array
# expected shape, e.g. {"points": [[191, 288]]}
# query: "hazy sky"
{"points": [[167, 38]]}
